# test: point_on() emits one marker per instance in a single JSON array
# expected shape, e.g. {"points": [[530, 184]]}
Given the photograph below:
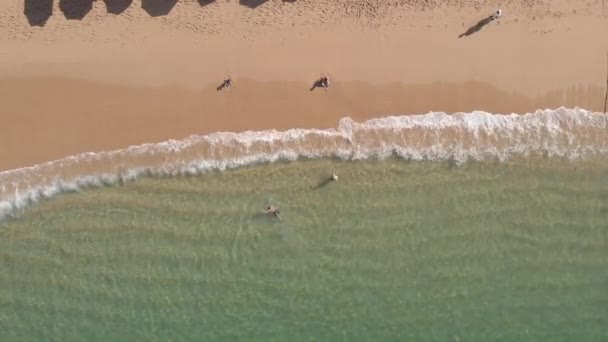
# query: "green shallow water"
{"points": [[392, 251]]}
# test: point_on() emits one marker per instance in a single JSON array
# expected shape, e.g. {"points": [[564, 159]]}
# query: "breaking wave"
{"points": [[566, 133]]}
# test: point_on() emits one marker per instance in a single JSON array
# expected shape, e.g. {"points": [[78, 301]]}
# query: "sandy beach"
{"points": [[115, 73]]}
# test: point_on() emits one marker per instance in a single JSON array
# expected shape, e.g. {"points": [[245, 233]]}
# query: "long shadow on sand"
{"points": [[37, 12], [477, 27], [252, 3], [117, 6], [75, 9], [157, 8]]}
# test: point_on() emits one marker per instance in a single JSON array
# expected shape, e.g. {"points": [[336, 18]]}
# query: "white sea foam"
{"points": [[566, 133]]}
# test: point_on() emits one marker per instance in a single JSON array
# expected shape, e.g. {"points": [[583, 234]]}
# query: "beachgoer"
{"points": [[225, 86], [227, 83], [321, 82], [480, 24], [497, 15], [334, 177], [324, 82], [272, 210]]}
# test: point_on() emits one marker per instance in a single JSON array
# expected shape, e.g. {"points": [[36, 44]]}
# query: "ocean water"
{"points": [[472, 227]]}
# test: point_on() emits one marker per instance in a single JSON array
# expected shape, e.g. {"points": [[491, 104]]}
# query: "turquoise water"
{"points": [[394, 250]]}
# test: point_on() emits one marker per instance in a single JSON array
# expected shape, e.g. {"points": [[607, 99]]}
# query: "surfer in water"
{"points": [[272, 211]]}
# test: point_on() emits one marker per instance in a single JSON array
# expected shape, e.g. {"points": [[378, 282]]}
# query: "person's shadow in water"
{"points": [[477, 27], [325, 181]]}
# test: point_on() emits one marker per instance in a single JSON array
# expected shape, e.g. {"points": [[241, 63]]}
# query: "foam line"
{"points": [[566, 133]]}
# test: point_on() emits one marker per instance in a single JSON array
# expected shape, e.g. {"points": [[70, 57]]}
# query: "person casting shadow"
{"points": [[480, 24], [226, 84], [322, 82], [326, 181]]}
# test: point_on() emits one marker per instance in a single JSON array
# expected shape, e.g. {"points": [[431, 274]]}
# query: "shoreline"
{"points": [[562, 135], [130, 115]]}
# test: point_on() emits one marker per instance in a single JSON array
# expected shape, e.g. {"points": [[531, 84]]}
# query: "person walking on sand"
{"points": [[324, 81], [226, 84], [496, 15], [480, 24]]}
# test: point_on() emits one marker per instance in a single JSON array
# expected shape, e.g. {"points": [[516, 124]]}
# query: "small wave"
{"points": [[567, 133]]}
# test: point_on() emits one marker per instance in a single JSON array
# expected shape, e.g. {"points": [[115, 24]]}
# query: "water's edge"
{"points": [[573, 134]]}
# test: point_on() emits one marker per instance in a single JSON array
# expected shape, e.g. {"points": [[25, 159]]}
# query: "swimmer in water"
{"points": [[272, 210]]}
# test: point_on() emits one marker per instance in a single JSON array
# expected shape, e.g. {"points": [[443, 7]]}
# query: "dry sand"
{"points": [[102, 81]]}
